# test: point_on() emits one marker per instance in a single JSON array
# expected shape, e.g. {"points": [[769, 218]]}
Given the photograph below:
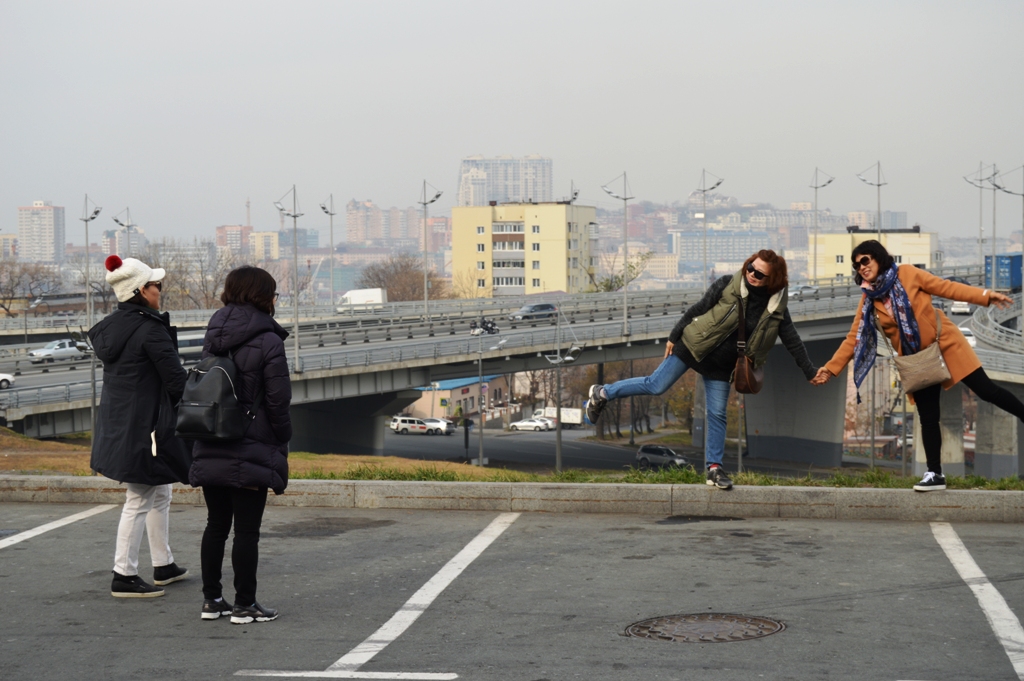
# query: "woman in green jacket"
{"points": [[704, 340]]}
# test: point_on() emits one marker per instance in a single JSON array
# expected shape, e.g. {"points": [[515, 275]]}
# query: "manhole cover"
{"points": [[704, 628]]}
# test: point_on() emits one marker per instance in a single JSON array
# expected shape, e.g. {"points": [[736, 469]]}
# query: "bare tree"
{"points": [[20, 280], [401, 275], [102, 294], [613, 280], [195, 272], [464, 285]]}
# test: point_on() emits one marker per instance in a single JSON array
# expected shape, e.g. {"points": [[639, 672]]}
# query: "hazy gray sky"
{"points": [[181, 110]]}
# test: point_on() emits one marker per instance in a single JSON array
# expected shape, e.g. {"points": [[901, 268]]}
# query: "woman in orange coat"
{"points": [[899, 298]]}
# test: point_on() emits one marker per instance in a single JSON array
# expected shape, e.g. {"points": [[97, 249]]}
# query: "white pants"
{"points": [[145, 507]]}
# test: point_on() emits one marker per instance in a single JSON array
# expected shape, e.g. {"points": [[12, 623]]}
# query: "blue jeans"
{"points": [[668, 372]]}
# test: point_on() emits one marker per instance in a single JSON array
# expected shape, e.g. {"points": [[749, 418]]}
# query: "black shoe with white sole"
{"points": [[254, 613], [133, 587], [718, 478], [215, 609], [168, 574], [931, 482], [595, 403]]}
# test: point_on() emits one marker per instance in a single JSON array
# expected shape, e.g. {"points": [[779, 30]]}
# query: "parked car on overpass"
{"points": [[62, 349]]}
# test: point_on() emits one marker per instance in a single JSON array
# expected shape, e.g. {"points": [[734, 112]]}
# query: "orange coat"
{"points": [[921, 286]]}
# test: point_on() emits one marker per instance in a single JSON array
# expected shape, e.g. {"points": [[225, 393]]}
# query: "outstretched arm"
{"points": [[791, 339], [844, 354]]}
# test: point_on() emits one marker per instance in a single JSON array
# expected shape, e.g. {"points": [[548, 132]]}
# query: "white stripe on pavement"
{"points": [[1003, 621], [35, 532], [347, 666]]}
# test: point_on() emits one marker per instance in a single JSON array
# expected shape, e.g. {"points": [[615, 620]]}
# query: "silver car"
{"points": [[58, 349], [439, 426], [658, 456]]}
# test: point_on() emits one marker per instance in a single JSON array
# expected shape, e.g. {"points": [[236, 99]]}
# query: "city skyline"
{"points": [[244, 104]]}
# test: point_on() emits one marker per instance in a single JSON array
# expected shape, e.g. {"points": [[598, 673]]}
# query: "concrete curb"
{"points": [[822, 503]]}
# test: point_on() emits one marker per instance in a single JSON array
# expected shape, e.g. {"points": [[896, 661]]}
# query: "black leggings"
{"points": [[927, 400], [245, 507]]}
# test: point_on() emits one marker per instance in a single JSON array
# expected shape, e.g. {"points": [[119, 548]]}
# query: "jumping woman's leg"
{"points": [[927, 401], [667, 373], [982, 386]]}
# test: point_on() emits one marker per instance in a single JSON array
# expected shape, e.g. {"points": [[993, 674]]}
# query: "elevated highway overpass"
{"points": [[353, 373]]}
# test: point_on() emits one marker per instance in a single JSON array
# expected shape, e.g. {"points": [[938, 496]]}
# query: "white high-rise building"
{"points": [[41, 232], [504, 179]]}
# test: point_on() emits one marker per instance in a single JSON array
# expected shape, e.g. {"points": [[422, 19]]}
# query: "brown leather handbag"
{"points": [[745, 378]]}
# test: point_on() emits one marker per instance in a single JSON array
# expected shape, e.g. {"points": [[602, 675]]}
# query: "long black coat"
{"points": [[142, 382], [260, 459]]}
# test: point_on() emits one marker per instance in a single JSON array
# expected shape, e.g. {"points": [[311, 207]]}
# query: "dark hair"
{"points": [[779, 278], [877, 252], [249, 285]]}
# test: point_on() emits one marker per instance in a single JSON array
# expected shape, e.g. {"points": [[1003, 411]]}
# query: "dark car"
{"points": [[534, 311], [658, 456]]}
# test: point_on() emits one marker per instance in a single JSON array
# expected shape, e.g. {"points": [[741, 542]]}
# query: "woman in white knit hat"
{"points": [[134, 440]]}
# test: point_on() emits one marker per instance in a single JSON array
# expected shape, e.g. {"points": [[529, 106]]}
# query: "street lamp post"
{"points": [[816, 186], [559, 360], [294, 215], [877, 184], [624, 197], [86, 218], [997, 185], [979, 182], [480, 392], [426, 291], [704, 189], [331, 213]]}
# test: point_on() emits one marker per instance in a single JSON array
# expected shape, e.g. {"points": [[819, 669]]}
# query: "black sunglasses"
{"points": [[862, 262], [758, 274], [158, 284]]}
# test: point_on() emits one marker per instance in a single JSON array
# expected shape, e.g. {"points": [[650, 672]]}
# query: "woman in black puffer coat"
{"points": [[236, 475]]}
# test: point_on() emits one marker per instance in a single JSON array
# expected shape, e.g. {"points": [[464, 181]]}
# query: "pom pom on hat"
{"points": [[112, 263]]}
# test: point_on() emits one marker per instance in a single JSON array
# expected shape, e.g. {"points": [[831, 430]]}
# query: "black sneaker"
{"points": [[718, 478], [133, 587], [254, 612], [214, 609], [168, 574], [595, 403], [931, 482]]}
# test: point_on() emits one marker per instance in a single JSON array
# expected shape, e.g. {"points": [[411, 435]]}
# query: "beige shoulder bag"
{"points": [[925, 367]]}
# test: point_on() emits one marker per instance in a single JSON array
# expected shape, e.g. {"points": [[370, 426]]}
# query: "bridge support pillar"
{"points": [[347, 426], [998, 443], [791, 420], [951, 425]]}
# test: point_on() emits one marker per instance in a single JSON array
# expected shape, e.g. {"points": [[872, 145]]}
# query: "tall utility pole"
{"points": [[816, 187], [426, 268], [86, 218], [624, 197], [979, 181], [996, 184], [878, 184], [330, 212], [704, 189], [294, 215]]}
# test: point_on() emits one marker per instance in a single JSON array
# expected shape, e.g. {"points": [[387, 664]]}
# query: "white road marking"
{"points": [[1003, 621], [347, 666], [36, 531]]}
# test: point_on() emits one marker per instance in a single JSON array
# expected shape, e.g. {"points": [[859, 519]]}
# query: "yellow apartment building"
{"points": [[910, 246], [516, 249], [265, 245]]}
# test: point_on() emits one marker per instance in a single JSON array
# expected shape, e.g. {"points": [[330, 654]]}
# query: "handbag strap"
{"points": [[741, 339]]}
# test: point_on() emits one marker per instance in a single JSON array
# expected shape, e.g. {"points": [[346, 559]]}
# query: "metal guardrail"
{"points": [[440, 310], [1006, 362], [987, 325]]}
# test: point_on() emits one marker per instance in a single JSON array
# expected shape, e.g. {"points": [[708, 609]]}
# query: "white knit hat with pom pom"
{"points": [[128, 276]]}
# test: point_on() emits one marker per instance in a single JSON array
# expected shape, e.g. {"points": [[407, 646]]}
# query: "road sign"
{"points": [[444, 402]]}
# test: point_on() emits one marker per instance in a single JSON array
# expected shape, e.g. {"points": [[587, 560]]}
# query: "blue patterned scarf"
{"points": [[887, 285]]}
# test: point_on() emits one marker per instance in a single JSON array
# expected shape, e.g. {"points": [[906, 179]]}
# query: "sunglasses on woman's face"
{"points": [[863, 262], [158, 284], [758, 274]]}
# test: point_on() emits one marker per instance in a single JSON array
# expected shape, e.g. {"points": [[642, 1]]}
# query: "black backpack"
{"points": [[209, 408]]}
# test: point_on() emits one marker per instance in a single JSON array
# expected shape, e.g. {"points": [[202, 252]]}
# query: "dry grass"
{"points": [[22, 454]]}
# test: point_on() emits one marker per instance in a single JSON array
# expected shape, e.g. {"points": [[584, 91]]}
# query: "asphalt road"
{"points": [[548, 599]]}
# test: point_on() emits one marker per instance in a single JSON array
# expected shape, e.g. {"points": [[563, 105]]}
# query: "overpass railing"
{"points": [[987, 325], [440, 310]]}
